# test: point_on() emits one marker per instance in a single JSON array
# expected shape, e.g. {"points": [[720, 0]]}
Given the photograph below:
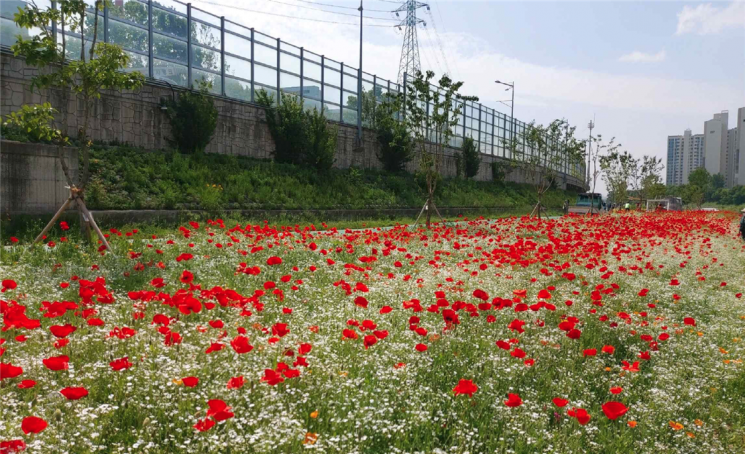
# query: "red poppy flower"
{"points": [[385, 309], [57, 362], [214, 347], [120, 364], [631, 367], [616, 390], [609, 349], [421, 348], [271, 261], [369, 341], [272, 377], [465, 387], [544, 294], [186, 277], [9, 284], [8, 370], [190, 382], [361, 301], [32, 424], [280, 329], [219, 410], [689, 321], [304, 349], [559, 402], [516, 325], [513, 400], [589, 352], [574, 333], [236, 382], [349, 334], [204, 425], [518, 353], [503, 345], [25, 384], [74, 393], [614, 410], [580, 414], [240, 344], [12, 446]]}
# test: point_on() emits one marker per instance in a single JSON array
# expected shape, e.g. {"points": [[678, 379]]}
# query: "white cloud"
{"points": [[636, 57], [706, 19]]}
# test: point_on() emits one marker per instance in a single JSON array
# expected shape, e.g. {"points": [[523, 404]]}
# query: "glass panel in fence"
{"points": [[237, 89], [311, 89], [137, 62], [215, 85], [237, 67], [262, 38], [310, 56], [269, 89], [265, 76], [311, 70], [331, 76], [263, 54], [204, 16], [128, 36], [237, 45], [170, 72], [204, 58], [9, 31], [171, 5], [169, 23], [205, 35], [350, 83], [130, 10], [170, 48], [331, 94], [331, 111], [289, 63], [310, 104], [289, 83], [350, 116]]}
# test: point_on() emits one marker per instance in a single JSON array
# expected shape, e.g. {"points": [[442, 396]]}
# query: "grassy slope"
{"points": [[127, 178]]}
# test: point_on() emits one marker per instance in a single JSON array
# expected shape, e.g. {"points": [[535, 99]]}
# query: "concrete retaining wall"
{"points": [[31, 177]]}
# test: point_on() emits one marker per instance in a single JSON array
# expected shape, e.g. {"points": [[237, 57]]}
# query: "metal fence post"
{"points": [[105, 22], [323, 75], [464, 120], [479, 133], [341, 96], [279, 96], [54, 23], [492, 131], [253, 87], [222, 55], [150, 70], [301, 74], [188, 45]]}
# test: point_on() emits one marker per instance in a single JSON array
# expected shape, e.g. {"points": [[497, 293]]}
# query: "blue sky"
{"points": [[644, 70]]}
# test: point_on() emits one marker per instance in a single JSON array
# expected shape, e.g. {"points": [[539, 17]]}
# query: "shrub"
{"points": [[193, 119], [32, 124], [300, 136], [469, 158], [396, 143], [497, 171]]}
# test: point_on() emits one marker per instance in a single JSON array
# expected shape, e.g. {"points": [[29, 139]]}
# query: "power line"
{"points": [[439, 43], [291, 17], [332, 12]]}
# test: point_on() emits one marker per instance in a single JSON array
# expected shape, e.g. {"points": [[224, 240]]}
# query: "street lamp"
{"points": [[512, 108]]}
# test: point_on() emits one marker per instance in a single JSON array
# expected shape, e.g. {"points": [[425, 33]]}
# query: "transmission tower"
{"points": [[409, 63]]}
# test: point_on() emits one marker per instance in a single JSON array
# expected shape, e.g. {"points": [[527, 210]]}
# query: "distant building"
{"points": [[719, 149]]}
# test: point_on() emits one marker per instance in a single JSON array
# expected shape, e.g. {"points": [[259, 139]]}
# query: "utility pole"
{"points": [[589, 151], [359, 88], [512, 112]]}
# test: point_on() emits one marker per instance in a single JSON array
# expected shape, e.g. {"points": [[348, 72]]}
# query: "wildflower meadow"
{"points": [[615, 333]]}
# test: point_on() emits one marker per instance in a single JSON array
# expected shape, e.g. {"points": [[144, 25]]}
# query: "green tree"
{"points": [[718, 181], [618, 168], [396, 144], [700, 178], [541, 153], [193, 119], [84, 78], [431, 115], [469, 158]]}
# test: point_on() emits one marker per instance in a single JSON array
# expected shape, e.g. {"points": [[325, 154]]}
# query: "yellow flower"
{"points": [[310, 438], [343, 373], [314, 414], [178, 381], [676, 425]]}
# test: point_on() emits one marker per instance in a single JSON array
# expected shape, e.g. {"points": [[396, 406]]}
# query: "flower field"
{"points": [[620, 333]]}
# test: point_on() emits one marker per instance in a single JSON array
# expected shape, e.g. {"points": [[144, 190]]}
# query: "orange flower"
{"points": [[310, 438], [314, 414], [631, 424], [698, 422], [676, 425], [691, 434]]}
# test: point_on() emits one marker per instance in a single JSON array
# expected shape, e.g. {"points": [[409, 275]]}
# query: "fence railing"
{"points": [[178, 43]]}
